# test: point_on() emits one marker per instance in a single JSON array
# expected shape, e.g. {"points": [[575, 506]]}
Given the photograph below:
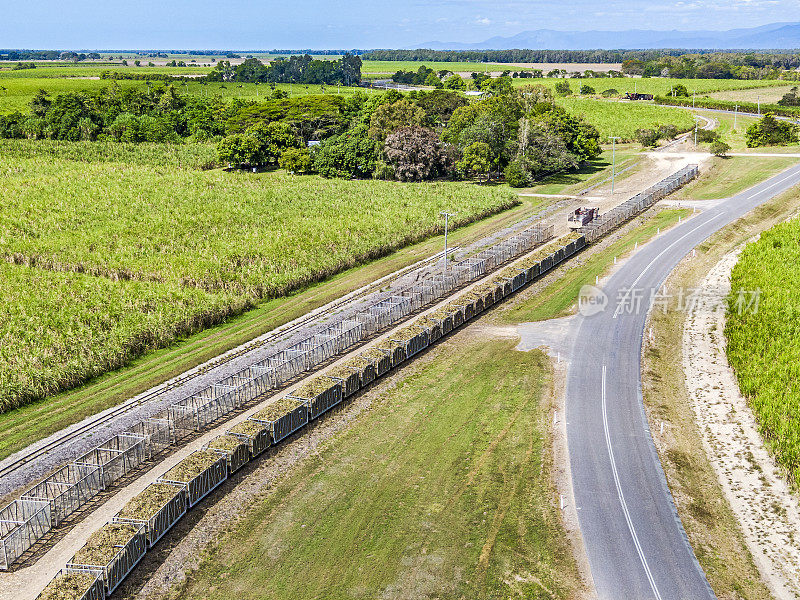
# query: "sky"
{"points": [[337, 24]]}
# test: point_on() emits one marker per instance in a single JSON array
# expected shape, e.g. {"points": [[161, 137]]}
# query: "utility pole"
{"points": [[447, 216], [613, 163], [695, 131], [693, 95], [758, 99], [735, 114]]}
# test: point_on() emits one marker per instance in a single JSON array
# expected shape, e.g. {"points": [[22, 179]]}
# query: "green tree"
{"points": [[433, 81], [272, 138], [455, 82], [350, 154], [719, 148], [296, 160], [516, 175], [587, 90], [647, 137], [499, 85], [562, 88], [493, 121], [477, 159], [680, 91], [770, 131], [389, 117]]}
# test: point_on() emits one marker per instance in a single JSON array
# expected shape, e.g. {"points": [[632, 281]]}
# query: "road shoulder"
{"points": [[711, 524]]}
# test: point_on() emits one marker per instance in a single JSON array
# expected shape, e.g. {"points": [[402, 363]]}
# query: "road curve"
{"points": [[635, 543]]}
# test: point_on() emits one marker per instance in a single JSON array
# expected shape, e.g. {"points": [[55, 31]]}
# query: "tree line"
{"points": [[779, 59], [421, 135], [295, 69]]}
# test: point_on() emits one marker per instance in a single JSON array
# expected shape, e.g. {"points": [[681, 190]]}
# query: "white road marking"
{"points": [[751, 196], [660, 254], [622, 502]]}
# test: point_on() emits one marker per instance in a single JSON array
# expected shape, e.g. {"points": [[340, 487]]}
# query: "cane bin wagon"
{"points": [[395, 350], [283, 417], [255, 434], [200, 473], [235, 450], [159, 507], [413, 338], [114, 550], [74, 584], [382, 360], [320, 394], [347, 378], [364, 368]]}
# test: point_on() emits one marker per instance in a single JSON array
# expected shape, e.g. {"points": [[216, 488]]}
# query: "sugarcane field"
{"points": [[345, 312]]}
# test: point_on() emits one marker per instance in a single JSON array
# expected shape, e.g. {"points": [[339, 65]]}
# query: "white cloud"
{"points": [[482, 21]]}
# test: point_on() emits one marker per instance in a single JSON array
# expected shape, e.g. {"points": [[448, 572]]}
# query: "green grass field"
{"points": [[726, 177], [440, 490], [655, 85], [19, 91], [764, 342], [622, 119], [206, 244], [391, 66], [559, 297], [181, 156], [590, 173]]}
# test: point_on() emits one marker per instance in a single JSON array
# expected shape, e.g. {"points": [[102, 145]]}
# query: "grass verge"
{"points": [[707, 517], [589, 173], [726, 177], [441, 490], [557, 299], [35, 421]]}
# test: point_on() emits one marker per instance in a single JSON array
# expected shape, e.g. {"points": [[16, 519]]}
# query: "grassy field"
{"points": [[558, 298], [764, 344], [441, 490], [726, 177], [83, 71], [391, 66], [42, 418], [655, 85], [19, 92], [765, 95], [622, 119], [211, 243], [588, 174], [181, 156]]}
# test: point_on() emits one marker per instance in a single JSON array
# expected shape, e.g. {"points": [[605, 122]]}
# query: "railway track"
{"points": [[273, 337]]}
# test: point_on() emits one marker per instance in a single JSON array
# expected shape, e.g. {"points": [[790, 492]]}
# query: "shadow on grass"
{"points": [[589, 167]]}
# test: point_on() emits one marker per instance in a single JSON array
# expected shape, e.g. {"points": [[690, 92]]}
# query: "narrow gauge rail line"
{"points": [[275, 336], [524, 269]]}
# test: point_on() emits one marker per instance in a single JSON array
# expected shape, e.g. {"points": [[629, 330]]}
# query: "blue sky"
{"points": [[240, 24]]}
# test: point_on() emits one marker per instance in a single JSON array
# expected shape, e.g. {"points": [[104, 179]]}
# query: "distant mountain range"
{"points": [[776, 36]]}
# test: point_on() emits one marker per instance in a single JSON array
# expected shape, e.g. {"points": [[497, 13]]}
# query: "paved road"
{"points": [[636, 545]]}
